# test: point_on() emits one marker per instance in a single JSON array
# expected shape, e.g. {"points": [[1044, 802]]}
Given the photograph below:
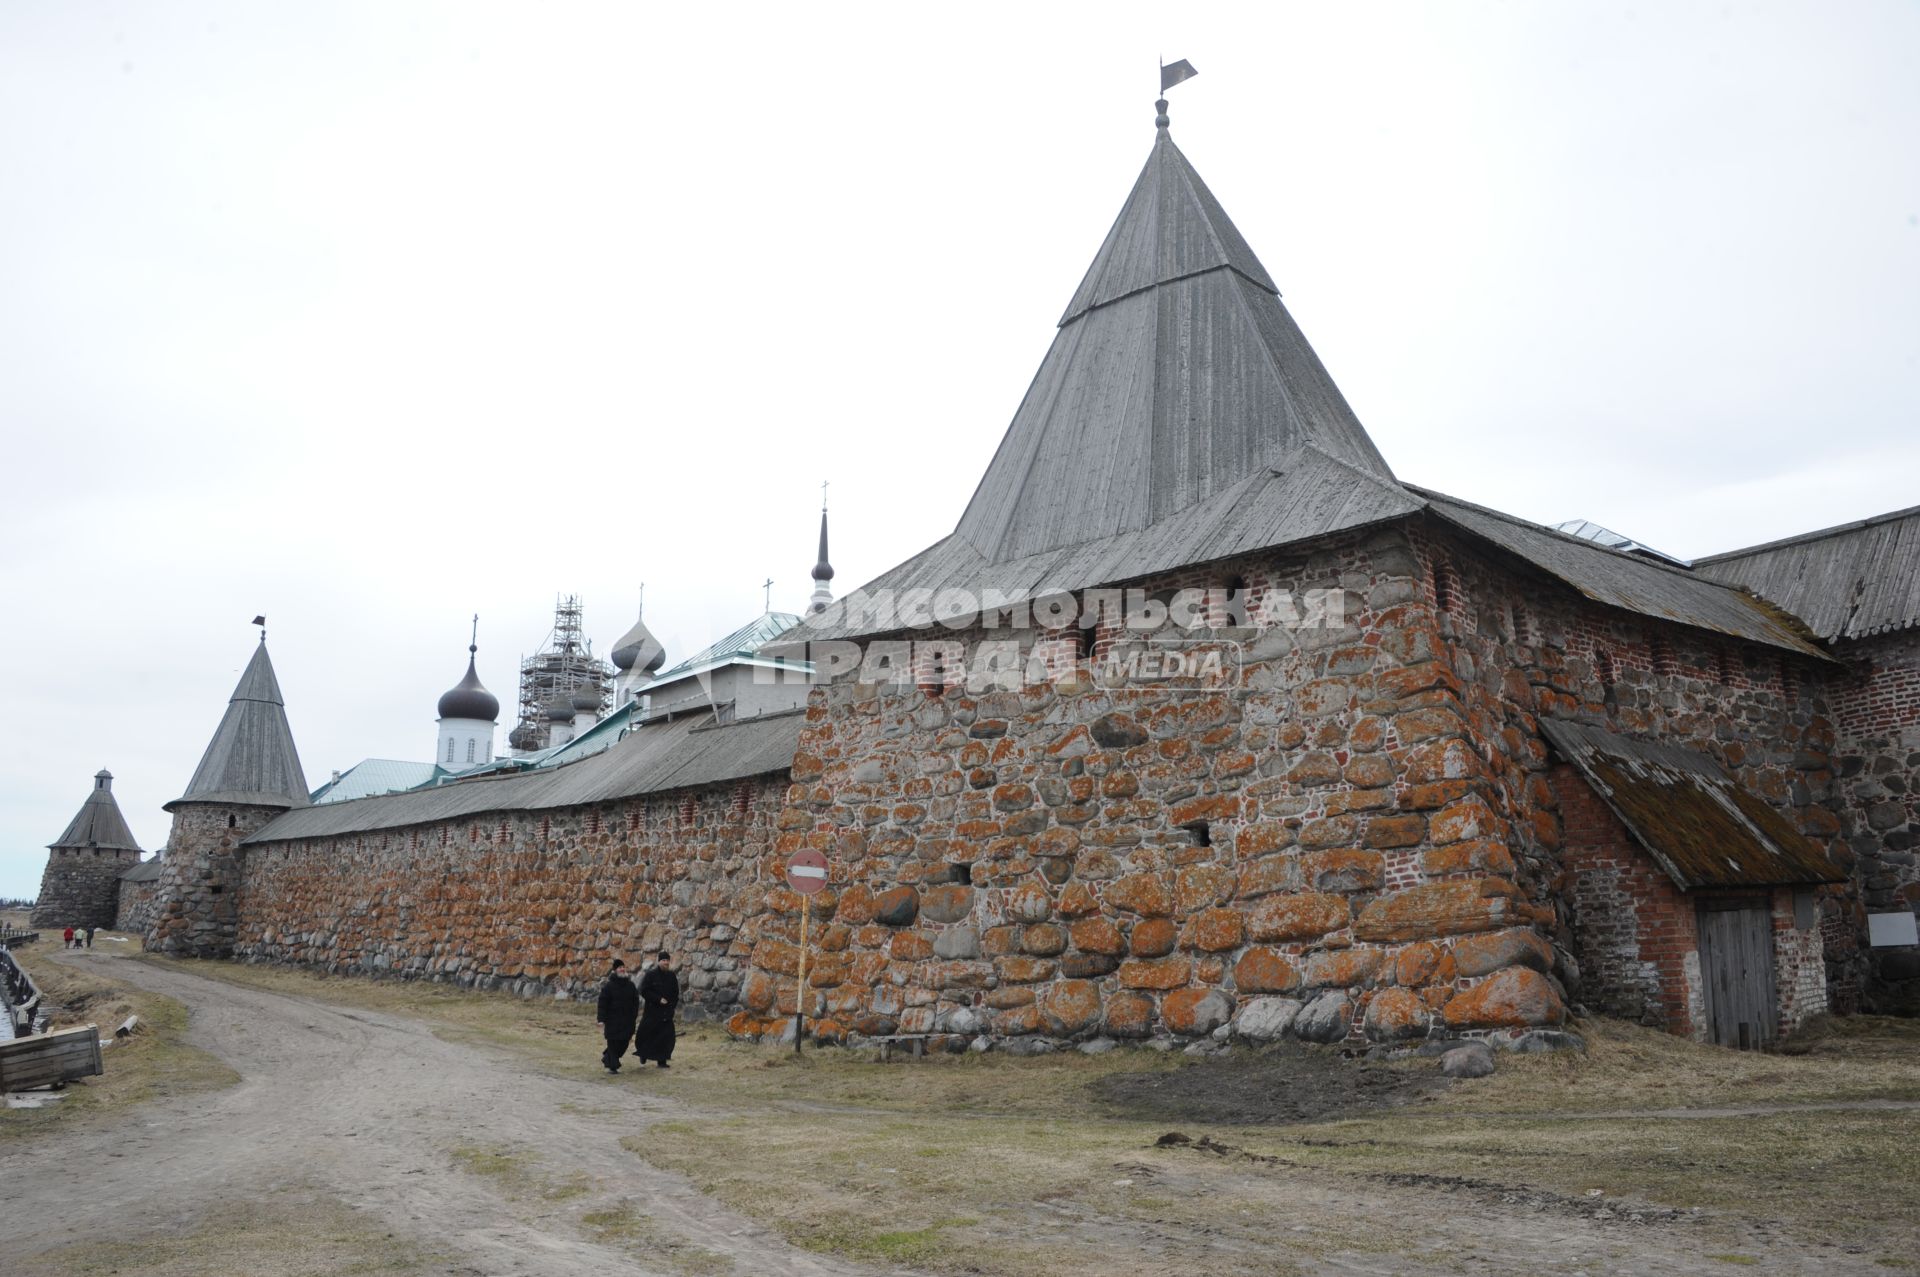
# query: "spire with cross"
{"points": [[822, 569]]}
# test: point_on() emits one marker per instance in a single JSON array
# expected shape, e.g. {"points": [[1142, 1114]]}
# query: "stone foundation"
{"points": [[81, 887]]}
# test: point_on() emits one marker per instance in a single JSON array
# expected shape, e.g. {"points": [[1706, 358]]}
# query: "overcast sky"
{"points": [[370, 317]]}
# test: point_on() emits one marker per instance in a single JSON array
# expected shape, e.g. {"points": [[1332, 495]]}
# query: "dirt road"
{"points": [[474, 1162], [374, 1111]]}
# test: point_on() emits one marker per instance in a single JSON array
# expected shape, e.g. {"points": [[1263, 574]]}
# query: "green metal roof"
{"points": [[742, 643], [377, 776]]}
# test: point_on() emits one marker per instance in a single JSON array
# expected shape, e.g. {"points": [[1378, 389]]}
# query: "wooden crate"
{"points": [[47, 1058]]}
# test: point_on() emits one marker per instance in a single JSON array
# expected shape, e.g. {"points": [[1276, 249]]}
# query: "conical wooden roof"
{"points": [[1176, 375], [251, 759], [1178, 418], [98, 822]]}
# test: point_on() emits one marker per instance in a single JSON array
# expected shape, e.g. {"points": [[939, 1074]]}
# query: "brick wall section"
{"points": [[1028, 862], [1525, 646], [1800, 965], [1877, 770], [534, 902], [80, 887], [1632, 928]]}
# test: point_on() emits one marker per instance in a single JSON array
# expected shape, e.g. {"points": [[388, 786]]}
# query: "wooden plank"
{"points": [[50, 1057]]}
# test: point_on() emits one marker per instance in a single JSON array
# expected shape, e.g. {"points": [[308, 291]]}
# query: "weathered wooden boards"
{"points": [[48, 1059]]}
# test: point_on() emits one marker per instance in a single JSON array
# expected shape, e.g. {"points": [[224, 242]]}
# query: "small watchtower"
{"points": [[81, 885], [249, 774]]}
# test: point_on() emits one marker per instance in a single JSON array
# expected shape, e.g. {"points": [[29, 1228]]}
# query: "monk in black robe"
{"points": [[659, 995], [619, 1008]]}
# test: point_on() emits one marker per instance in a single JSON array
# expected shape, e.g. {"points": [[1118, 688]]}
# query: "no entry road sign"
{"points": [[807, 871]]}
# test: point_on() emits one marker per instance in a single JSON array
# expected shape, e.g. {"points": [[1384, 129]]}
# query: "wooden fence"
{"points": [[50, 1059]]}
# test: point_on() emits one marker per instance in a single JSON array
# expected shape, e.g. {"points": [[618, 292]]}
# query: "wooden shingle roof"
{"points": [[98, 823], [1848, 582], [251, 759], [1175, 376]]}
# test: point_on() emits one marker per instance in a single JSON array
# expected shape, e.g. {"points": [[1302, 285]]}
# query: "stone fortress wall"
{"points": [[1876, 769], [134, 910], [537, 903], [1358, 838], [1525, 648]]}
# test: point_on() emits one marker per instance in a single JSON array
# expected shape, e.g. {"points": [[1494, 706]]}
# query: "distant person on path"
{"points": [[659, 995], [68, 941], [90, 931], [619, 1008]]}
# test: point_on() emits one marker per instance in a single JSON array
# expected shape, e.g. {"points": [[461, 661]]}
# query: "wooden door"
{"points": [[1736, 967]]}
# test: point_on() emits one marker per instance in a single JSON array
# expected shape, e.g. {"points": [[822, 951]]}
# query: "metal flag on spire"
{"points": [[1175, 73]]}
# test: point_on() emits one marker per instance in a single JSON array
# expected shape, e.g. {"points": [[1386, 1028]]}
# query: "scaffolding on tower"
{"points": [[563, 664]]}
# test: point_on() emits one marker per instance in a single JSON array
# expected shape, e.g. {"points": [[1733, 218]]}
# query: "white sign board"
{"points": [[1888, 929]]}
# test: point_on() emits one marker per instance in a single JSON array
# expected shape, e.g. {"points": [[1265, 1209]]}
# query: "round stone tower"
{"points": [[249, 774]]}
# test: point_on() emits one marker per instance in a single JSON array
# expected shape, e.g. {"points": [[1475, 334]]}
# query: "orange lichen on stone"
{"points": [[1306, 916], [1438, 909], [1516, 997]]}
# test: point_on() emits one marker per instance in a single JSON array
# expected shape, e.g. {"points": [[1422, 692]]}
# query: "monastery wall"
{"points": [[1307, 848], [1355, 834], [134, 910], [1525, 646], [1877, 770], [80, 886], [536, 902]]}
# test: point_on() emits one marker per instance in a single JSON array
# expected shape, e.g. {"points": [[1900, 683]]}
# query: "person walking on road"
{"points": [[659, 995], [619, 1008], [67, 942], [90, 931]]}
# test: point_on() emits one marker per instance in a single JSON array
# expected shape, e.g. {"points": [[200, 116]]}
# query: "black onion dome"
{"points": [[639, 647], [586, 699], [469, 699], [560, 708], [525, 736]]}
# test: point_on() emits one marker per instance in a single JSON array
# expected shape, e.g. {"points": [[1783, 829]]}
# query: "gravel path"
{"points": [[366, 1109]]}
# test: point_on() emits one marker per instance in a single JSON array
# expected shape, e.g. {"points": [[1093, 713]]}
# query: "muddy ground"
{"points": [[1283, 1084]]}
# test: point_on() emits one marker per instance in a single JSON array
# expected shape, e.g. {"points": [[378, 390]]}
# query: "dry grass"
{"points": [[1629, 1067], [290, 1234], [517, 1173], [151, 1063], [1825, 1174]]}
